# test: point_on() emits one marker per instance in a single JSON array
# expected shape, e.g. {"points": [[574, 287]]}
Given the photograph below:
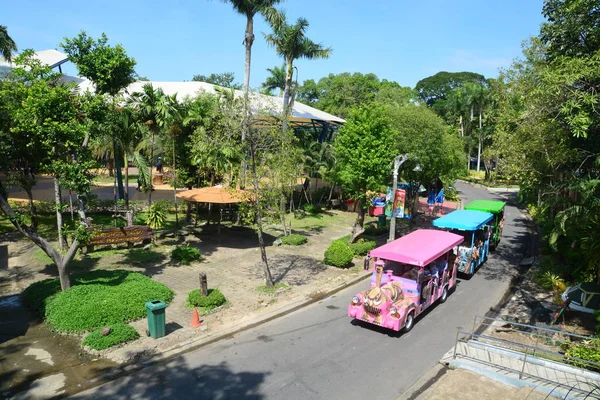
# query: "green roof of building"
{"points": [[491, 206]]}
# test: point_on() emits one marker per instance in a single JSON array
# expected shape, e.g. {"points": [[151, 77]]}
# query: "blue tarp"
{"points": [[466, 220]]}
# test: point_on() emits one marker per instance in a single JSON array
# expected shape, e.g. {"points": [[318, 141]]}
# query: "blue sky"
{"points": [[400, 40]]}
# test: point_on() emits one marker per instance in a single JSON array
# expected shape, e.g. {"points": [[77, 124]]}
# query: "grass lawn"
{"points": [[96, 299]]}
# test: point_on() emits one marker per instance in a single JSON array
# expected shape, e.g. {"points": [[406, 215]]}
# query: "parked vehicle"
{"points": [[409, 275], [584, 297], [474, 227], [495, 207]]}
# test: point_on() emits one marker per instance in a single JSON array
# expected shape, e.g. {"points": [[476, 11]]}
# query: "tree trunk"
{"points": [[32, 209], [175, 185], [127, 180], [59, 221], [71, 205], [151, 170], [286, 94], [248, 40], [358, 227], [286, 232], [479, 137], [259, 216], [462, 129], [62, 262]]}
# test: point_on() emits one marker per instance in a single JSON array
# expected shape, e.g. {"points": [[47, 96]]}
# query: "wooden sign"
{"points": [[129, 234]]}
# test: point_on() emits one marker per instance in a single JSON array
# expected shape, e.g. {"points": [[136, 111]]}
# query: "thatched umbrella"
{"points": [[216, 195]]}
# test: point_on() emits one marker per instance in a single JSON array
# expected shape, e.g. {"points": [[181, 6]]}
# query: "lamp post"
{"points": [[398, 161]]}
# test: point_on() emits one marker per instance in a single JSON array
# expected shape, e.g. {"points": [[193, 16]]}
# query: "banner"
{"points": [[395, 207]]}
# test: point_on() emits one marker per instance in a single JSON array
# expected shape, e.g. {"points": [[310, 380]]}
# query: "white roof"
{"points": [[52, 58], [260, 103]]}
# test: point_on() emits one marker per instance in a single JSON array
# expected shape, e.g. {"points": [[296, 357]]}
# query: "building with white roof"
{"points": [[303, 116]]}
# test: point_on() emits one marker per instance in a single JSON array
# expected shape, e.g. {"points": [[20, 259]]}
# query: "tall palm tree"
{"points": [[154, 110], [477, 98], [7, 44], [250, 8], [276, 80], [291, 43]]}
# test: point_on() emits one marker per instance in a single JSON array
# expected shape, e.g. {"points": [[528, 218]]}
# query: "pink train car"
{"points": [[410, 274]]}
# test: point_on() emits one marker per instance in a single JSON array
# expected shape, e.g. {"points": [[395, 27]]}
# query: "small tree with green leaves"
{"points": [[364, 149]]}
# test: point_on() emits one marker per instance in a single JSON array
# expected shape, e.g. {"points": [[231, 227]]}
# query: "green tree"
{"points": [[291, 43], [572, 28], [276, 80], [338, 94], [364, 149], [434, 90], [223, 79], [423, 135], [154, 109], [7, 44], [49, 123], [109, 68]]}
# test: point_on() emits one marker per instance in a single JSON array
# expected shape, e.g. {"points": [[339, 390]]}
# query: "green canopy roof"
{"points": [[491, 206]]}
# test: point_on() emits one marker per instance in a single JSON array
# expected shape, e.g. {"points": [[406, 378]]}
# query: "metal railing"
{"points": [[539, 347]]}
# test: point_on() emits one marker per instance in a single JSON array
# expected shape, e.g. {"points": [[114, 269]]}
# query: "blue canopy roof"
{"points": [[466, 220]]}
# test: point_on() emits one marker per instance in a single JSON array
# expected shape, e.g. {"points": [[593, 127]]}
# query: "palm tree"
{"points": [[276, 80], [291, 43], [154, 110], [7, 44], [477, 98]]}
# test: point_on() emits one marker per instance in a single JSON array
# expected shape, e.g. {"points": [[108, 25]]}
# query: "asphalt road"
{"points": [[320, 353]]}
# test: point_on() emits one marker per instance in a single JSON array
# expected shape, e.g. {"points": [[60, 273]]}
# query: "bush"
{"points": [[157, 214], [96, 299], [338, 254], [362, 247], [374, 230], [294, 240], [312, 209], [589, 350], [186, 254], [119, 333], [213, 300]]}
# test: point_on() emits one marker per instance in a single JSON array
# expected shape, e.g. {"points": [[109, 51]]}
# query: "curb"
{"points": [[194, 344]]}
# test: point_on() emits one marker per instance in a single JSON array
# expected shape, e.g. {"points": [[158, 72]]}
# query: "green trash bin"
{"points": [[155, 310]]}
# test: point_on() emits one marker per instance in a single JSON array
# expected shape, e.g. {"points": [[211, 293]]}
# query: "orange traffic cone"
{"points": [[195, 319]]}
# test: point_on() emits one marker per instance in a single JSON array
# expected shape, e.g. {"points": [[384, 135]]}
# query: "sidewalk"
{"points": [[443, 383]]}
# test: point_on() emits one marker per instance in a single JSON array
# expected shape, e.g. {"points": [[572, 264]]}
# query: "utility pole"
{"points": [[398, 161]]}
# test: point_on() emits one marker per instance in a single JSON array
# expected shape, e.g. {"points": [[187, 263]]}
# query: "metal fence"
{"points": [[539, 355]]}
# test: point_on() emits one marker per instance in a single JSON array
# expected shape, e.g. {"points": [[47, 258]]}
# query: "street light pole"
{"points": [[398, 161]]}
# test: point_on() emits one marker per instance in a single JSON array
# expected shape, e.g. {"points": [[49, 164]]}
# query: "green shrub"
{"points": [[589, 350], [119, 333], [96, 299], [185, 254], [294, 240], [362, 247], [214, 299], [338, 254], [157, 214], [374, 230], [312, 209]]}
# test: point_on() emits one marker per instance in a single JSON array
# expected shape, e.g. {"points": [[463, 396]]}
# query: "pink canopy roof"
{"points": [[419, 247]]}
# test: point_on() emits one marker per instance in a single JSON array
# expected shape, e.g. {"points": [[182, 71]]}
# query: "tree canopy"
{"points": [[223, 79], [339, 94], [109, 68]]}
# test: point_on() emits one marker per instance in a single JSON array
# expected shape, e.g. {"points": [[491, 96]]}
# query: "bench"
{"points": [[128, 234]]}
